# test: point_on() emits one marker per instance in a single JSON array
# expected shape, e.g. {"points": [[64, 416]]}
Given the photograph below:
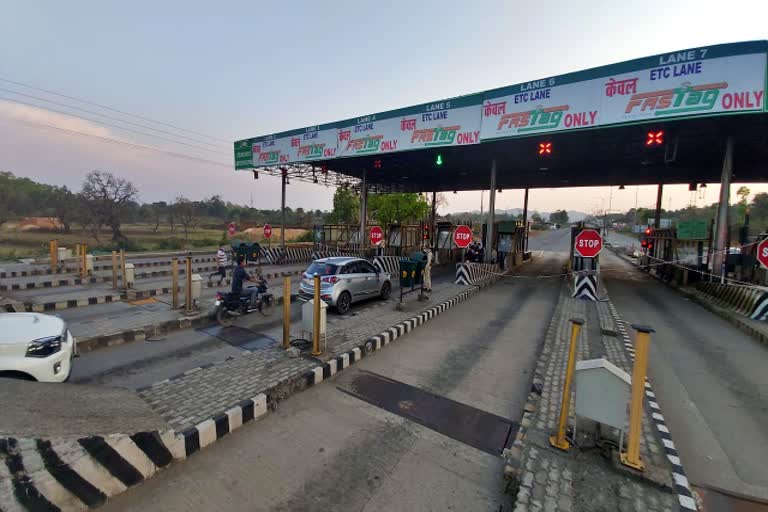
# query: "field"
{"points": [[15, 244]]}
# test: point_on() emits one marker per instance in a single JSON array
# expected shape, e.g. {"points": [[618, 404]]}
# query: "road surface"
{"points": [[325, 449]]}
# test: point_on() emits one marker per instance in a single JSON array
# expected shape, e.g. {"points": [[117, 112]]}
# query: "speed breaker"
{"points": [[586, 244]]}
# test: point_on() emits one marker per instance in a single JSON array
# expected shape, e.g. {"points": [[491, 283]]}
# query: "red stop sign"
{"points": [[376, 235], [588, 243], [462, 236], [231, 228], [762, 253], [267, 231]]}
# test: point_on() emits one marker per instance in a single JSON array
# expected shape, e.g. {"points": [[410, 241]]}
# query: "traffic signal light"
{"points": [[439, 160], [654, 138], [545, 149], [377, 164], [648, 231], [425, 232]]}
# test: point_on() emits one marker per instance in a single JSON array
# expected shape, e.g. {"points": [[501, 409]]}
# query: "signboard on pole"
{"points": [[462, 236], [376, 235], [692, 230], [588, 243], [231, 229], [762, 253], [267, 231]]}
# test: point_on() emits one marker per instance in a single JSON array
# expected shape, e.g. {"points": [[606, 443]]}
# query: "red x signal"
{"points": [[655, 138], [377, 164], [545, 148]]}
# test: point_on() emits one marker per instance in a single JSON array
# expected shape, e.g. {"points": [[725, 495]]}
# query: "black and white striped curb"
{"points": [[77, 474], [71, 303], [682, 486]]}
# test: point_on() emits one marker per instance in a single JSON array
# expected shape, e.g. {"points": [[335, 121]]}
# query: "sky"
{"points": [[230, 70]]}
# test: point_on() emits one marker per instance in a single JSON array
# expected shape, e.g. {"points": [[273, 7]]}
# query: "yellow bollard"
{"points": [[287, 313], [122, 268], [53, 247], [175, 282], [114, 270], [188, 290], [83, 260], [559, 440], [316, 320], [631, 457]]}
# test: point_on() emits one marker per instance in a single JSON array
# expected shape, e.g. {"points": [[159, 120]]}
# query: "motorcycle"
{"points": [[230, 306]]}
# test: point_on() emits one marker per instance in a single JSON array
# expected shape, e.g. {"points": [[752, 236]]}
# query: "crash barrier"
{"points": [[388, 264], [468, 273], [585, 286], [750, 301], [291, 255]]}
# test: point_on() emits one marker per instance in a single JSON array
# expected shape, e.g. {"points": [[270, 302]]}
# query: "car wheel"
{"points": [[343, 303], [386, 290]]}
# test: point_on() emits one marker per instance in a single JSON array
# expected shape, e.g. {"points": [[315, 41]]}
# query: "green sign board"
{"points": [[692, 230]]}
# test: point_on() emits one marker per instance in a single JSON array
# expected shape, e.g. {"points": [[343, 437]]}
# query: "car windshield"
{"points": [[322, 269]]}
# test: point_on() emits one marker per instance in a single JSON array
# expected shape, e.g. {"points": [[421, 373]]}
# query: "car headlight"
{"points": [[44, 347]]}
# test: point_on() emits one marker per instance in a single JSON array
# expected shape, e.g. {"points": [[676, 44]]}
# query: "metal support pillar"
{"points": [[363, 210], [659, 194], [432, 226], [491, 215], [282, 213], [525, 220], [721, 228]]}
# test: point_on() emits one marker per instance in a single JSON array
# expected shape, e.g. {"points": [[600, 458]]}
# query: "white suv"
{"points": [[35, 347]]}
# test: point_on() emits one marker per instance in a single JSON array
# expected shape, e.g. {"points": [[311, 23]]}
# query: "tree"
{"points": [[63, 202], [185, 213], [559, 217], [536, 218], [397, 208], [106, 198], [346, 206]]}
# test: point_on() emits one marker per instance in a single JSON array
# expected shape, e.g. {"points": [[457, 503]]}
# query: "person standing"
{"points": [[221, 261], [428, 271]]}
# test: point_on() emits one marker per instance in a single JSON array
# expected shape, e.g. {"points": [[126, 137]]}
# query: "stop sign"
{"points": [[231, 228], [267, 231], [462, 236], [376, 235], [588, 243], [762, 253]]}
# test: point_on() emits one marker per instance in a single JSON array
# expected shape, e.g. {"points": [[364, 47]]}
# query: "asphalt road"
{"points": [[709, 377], [325, 449]]}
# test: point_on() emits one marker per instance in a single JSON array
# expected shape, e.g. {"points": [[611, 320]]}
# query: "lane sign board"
{"points": [[588, 243], [462, 236], [376, 235]]}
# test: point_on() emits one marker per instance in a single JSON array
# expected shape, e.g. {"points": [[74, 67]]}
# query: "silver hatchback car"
{"points": [[345, 280]]}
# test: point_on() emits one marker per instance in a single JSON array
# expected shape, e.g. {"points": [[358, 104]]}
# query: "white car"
{"points": [[34, 346]]}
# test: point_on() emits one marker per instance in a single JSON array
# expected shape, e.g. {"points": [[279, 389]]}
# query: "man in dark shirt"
{"points": [[240, 275]]}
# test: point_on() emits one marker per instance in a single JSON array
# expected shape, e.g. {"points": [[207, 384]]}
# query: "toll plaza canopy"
{"points": [[659, 119]]}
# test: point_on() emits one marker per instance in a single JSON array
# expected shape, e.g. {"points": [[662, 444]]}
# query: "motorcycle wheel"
{"points": [[224, 318], [268, 306]]}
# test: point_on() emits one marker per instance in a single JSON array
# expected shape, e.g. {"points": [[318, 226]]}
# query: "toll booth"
{"points": [[444, 248], [678, 254], [510, 239], [402, 239]]}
